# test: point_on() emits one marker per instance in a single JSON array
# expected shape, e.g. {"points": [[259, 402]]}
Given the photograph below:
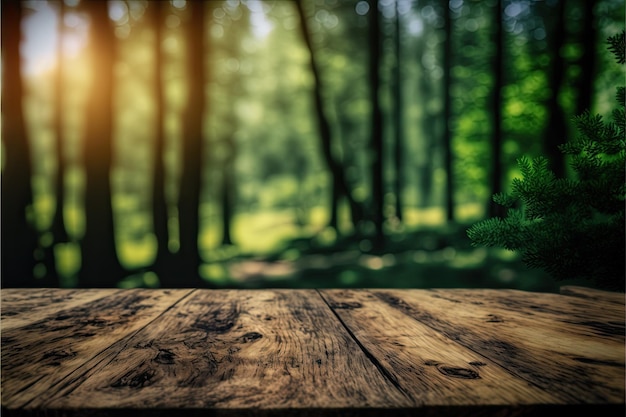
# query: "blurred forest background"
{"points": [[312, 143]]}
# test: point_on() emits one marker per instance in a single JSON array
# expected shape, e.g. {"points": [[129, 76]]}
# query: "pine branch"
{"points": [[617, 45]]}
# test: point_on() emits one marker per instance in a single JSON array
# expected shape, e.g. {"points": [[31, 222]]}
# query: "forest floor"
{"points": [[428, 258], [273, 251]]}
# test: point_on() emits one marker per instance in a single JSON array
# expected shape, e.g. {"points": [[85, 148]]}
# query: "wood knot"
{"points": [[492, 318], [55, 357], [144, 345], [215, 326], [395, 302], [165, 357], [135, 380], [250, 337], [457, 372]]}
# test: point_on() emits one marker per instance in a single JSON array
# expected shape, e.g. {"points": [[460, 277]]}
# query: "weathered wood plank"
{"points": [[284, 352], [540, 410], [433, 369], [22, 306], [234, 350], [40, 354], [552, 354], [591, 318], [593, 294]]}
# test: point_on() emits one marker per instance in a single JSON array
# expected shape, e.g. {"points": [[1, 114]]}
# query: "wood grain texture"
{"points": [[452, 352], [603, 319], [433, 369], [20, 307], [593, 294], [564, 357], [227, 349], [540, 410], [37, 356]]}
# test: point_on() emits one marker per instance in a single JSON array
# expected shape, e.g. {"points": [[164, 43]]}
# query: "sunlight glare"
{"points": [[261, 26], [40, 38], [416, 26], [40, 29], [118, 11], [179, 4]]}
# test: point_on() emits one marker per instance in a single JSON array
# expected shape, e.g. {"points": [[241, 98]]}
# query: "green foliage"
{"points": [[617, 46], [571, 228]]}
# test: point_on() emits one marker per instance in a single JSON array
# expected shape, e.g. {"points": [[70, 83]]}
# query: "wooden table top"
{"points": [[311, 352]]}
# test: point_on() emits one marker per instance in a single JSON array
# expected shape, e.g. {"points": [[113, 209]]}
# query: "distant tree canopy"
{"points": [[150, 140]]}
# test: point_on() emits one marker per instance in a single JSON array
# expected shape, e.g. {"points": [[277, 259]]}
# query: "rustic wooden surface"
{"points": [[311, 352]]}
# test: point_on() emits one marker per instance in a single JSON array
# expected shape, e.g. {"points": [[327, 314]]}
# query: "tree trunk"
{"points": [[19, 239], [376, 127], [399, 119], [163, 264], [100, 264], [429, 139], [192, 150], [334, 204], [447, 112], [57, 229], [496, 110], [556, 130], [236, 33], [340, 185], [228, 185], [587, 59], [227, 164]]}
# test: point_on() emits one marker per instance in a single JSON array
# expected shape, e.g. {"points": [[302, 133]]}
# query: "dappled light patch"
{"points": [[348, 277], [371, 262], [469, 259], [136, 252], [506, 275], [215, 273], [420, 256], [68, 262], [327, 236], [146, 279], [252, 270]]}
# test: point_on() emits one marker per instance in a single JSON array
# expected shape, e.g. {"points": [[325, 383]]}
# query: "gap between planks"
{"points": [[381, 368], [435, 367]]}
